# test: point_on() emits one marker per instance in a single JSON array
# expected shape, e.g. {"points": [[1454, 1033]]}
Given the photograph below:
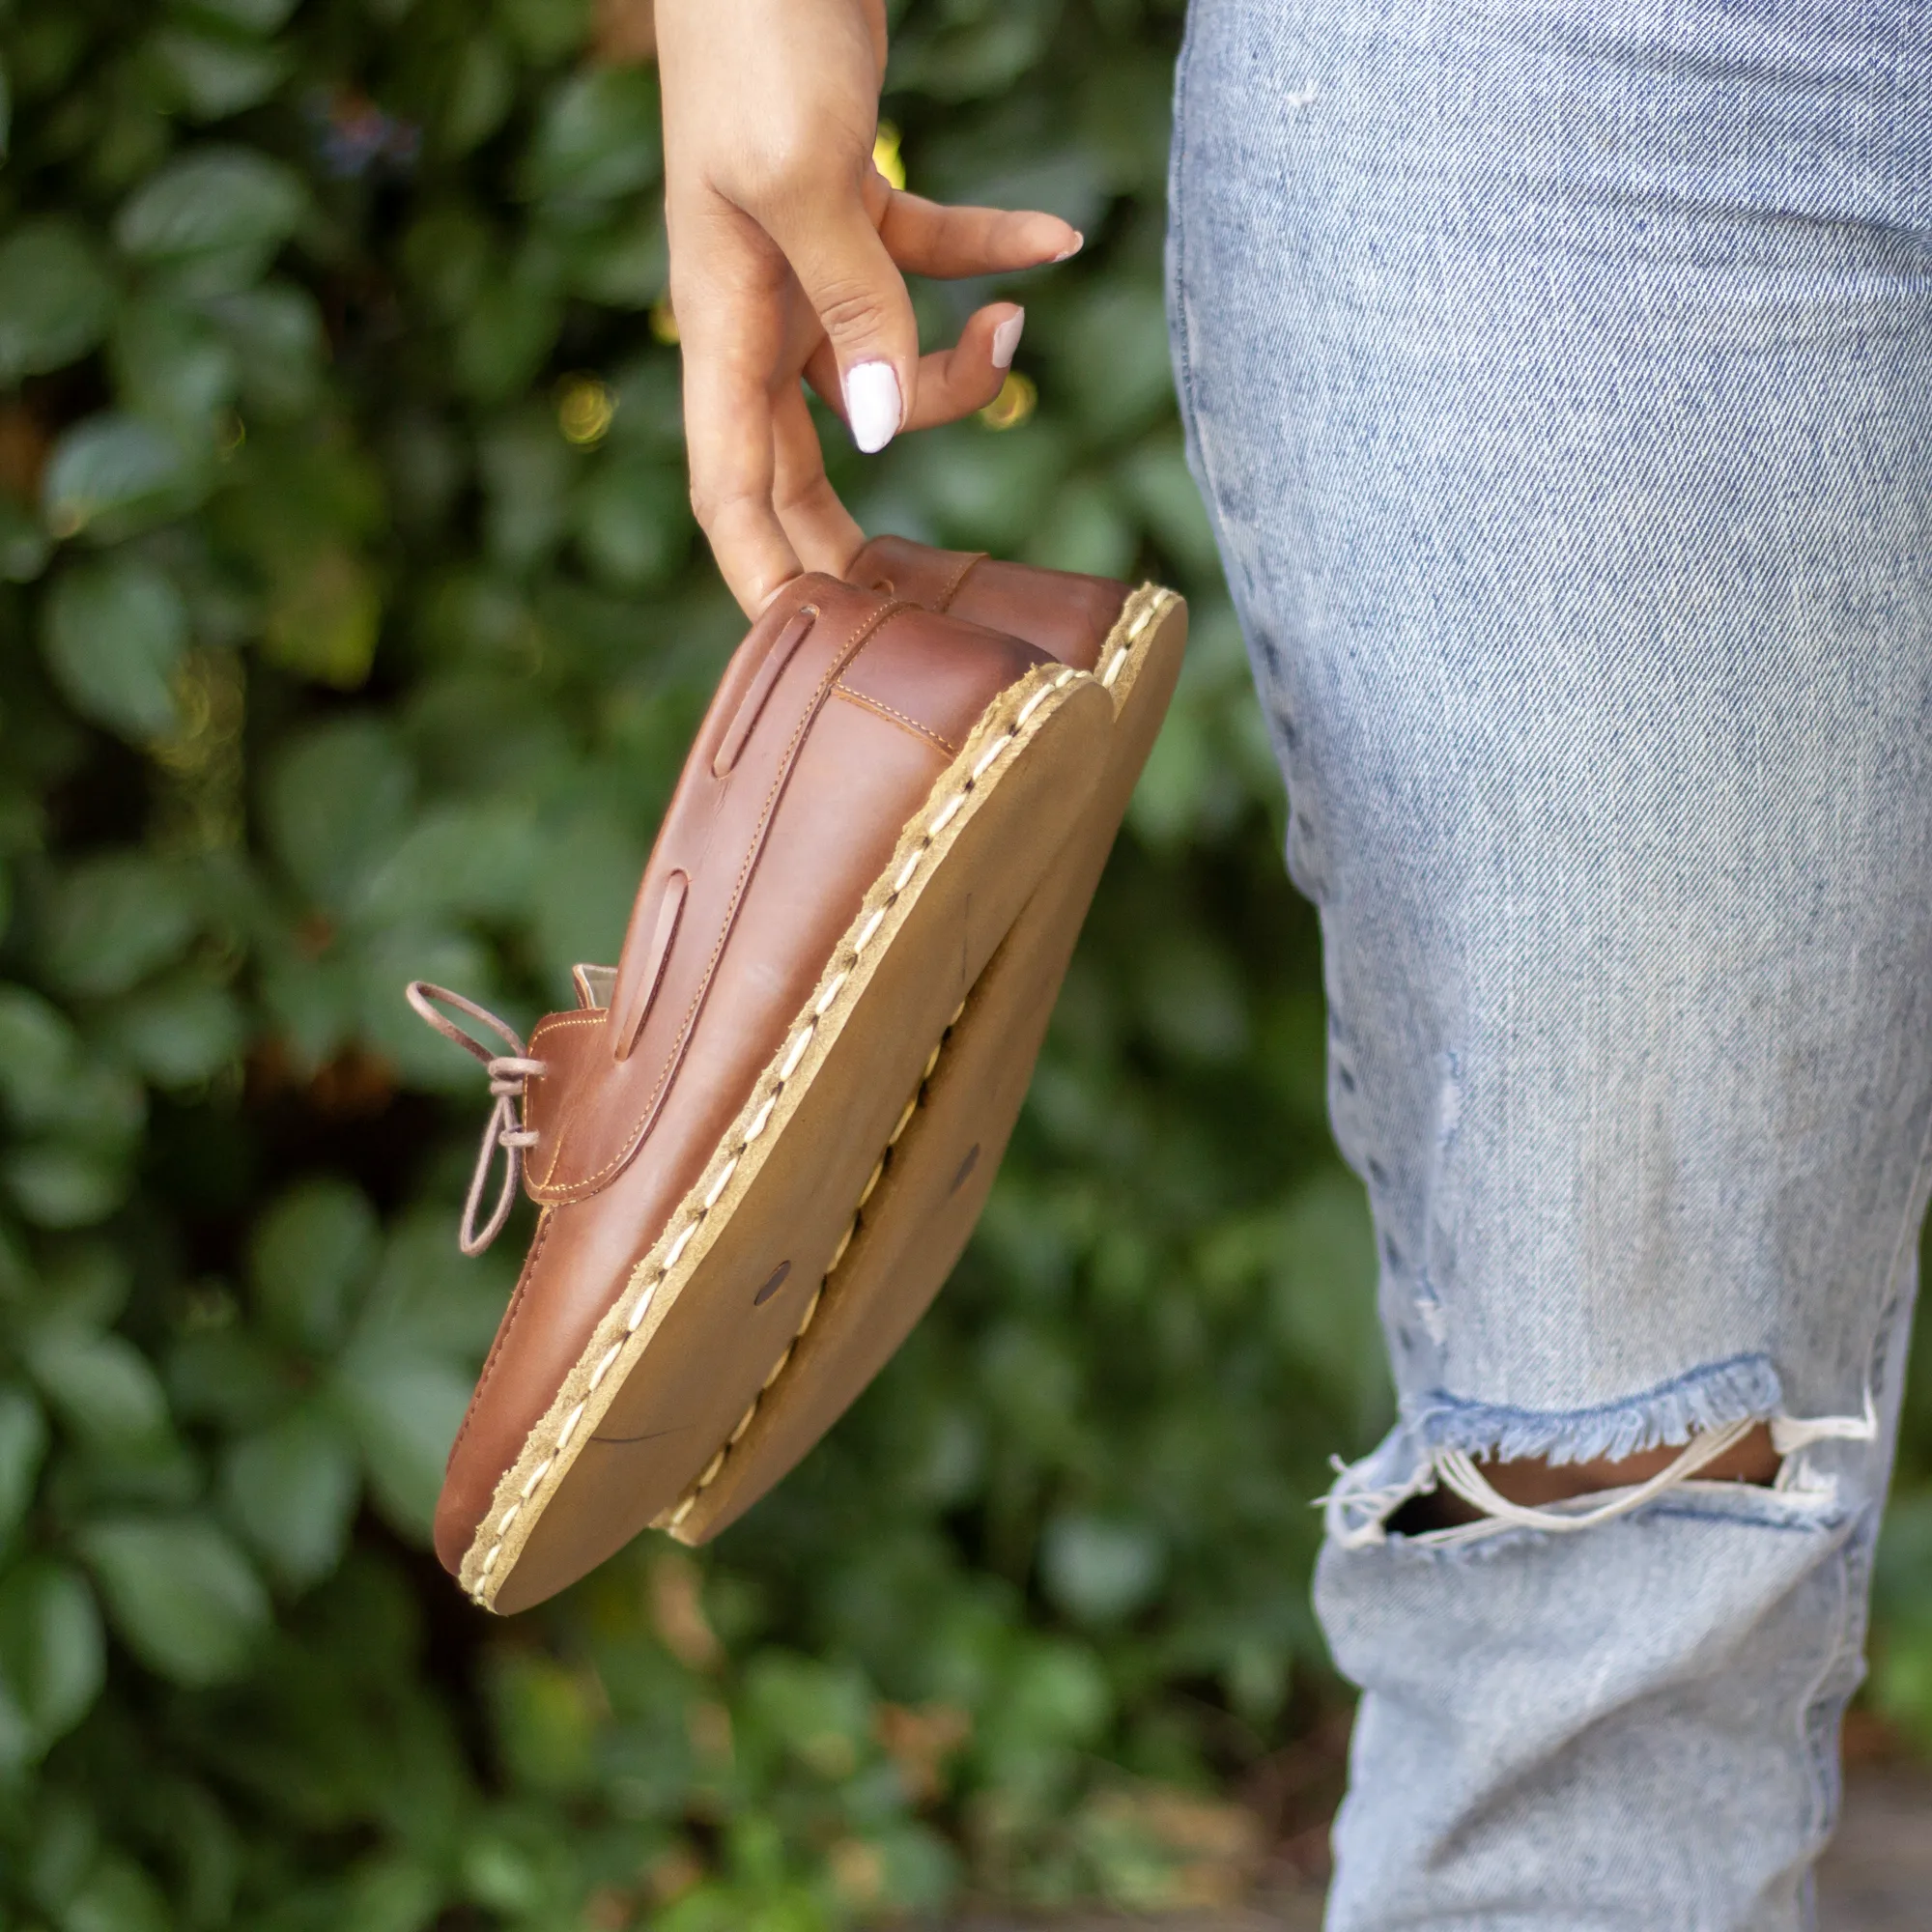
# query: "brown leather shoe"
{"points": [[923, 1198], [876, 795]]}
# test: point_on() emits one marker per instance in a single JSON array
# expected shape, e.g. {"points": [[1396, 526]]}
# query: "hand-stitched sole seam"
{"points": [[1132, 627], [715, 1467], [800, 1040]]}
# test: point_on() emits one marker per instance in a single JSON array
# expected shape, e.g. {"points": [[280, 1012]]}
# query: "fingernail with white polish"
{"points": [[1068, 254], [873, 407], [1007, 339]]}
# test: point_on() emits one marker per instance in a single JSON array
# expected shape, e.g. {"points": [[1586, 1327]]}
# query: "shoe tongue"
{"points": [[594, 985]]}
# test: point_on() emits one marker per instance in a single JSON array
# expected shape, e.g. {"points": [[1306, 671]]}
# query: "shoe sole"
{"points": [[923, 1195], [672, 1374]]}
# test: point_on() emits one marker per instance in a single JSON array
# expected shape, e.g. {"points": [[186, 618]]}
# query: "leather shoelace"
{"points": [[505, 1129]]}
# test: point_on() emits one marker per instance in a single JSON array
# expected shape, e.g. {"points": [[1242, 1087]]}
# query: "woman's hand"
{"points": [[788, 252]]}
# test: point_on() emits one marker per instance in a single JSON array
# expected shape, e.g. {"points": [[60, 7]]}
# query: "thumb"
{"points": [[856, 290]]}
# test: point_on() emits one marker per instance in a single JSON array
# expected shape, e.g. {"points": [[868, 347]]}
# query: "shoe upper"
{"points": [[1061, 612], [831, 726]]}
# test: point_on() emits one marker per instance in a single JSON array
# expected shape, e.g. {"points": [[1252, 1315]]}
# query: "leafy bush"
{"points": [[352, 626]]}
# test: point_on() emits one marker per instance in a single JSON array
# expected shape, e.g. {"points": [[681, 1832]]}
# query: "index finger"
{"points": [[928, 238]]}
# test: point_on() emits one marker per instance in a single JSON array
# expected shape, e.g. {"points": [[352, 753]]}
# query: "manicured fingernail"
{"points": [[873, 407], [1007, 339], [1068, 254]]}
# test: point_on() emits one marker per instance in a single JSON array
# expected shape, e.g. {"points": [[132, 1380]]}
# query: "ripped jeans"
{"points": [[1558, 374]]}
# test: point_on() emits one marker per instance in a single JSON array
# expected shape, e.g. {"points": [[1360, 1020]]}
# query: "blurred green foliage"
{"points": [[351, 627]]}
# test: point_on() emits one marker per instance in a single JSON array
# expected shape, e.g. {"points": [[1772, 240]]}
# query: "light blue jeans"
{"points": [[1560, 377]]}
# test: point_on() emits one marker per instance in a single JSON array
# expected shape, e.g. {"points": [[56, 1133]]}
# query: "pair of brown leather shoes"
{"points": [[760, 1141]]}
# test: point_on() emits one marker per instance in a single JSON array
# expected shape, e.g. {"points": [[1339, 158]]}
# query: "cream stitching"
{"points": [[800, 1044], [1158, 603], [885, 710], [557, 1022]]}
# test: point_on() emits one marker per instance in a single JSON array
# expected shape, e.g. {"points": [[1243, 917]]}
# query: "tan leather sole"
{"points": [[711, 1314], [920, 1202]]}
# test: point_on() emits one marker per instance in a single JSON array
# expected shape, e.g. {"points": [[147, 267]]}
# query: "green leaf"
{"points": [[598, 136], [180, 1594], [258, 16], [65, 1185], [394, 1894], [172, 365], [114, 632], [1114, 357], [546, 30], [88, 1281], [405, 1411], [1085, 530], [24, 550], [578, 898], [96, 1106], [1100, 1570], [178, 1033], [393, 955], [38, 1051], [217, 74], [102, 1387], [622, 264], [323, 616], [527, 469], [52, 1659], [447, 253], [957, 62], [504, 336], [338, 800], [1157, 479], [545, 1720], [55, 299], [113, 920], [110, 475], [431, 1300], [230, 1376], [214, 216], [292, 1490], [633, 521], [820, 1713], [482, 89], [474, 859], [23, 1445], [276, 335], [1325, 1297], [118, 1896], [311, 1256]]}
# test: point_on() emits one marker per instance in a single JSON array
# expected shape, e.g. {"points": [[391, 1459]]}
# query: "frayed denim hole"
{"points": [[1703, 1414], [1743, 1388]]}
